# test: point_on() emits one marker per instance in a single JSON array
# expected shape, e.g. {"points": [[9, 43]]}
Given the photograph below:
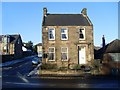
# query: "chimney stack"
{"points": [[84, 11], [103, 41], [45, 11]]}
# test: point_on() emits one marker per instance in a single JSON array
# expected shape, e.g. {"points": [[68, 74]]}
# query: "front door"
{"points": [[82, 59]]}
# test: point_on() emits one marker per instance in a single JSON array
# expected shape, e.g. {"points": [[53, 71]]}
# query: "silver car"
{"points": [[36, 60]]}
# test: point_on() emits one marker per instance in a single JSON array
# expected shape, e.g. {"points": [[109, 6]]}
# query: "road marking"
{"points": [[30, 84], [6, 68], [26, 63], [23, 64], [22, 83], [23, 78], [19, 66]]}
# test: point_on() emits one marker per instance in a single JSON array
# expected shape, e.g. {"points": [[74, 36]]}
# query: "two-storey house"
{"points": [[11, 45], [67, 39]]}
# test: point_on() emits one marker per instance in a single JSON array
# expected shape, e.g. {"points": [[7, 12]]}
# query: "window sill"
{"points": [[64, 39], [81, 39], [51, 39], [51, 60], [64, 60]]}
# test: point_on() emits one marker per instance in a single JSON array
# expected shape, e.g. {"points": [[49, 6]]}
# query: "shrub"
{"points": [[77, 67], [48, 66], [63, 68]]}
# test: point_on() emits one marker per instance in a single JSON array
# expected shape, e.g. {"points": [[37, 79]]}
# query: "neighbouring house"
{"points": [[39, 49], [98, 53], [112, 51], [67, 39], [26, 50], [11, 45], [110, 57]]}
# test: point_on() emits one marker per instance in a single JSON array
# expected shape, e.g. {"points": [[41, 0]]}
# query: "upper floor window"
{"points": [[51, 34], [64, 53], [64, 34], [81, 34], [51, 54]]}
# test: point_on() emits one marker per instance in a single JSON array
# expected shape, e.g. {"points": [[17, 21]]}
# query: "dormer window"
{"points": [[82, 34], [51, 34], [64, 34]]}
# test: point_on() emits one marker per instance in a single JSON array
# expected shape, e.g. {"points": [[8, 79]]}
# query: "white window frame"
{"points": [[49, 33], [64, 33], [83, 31], [64, 52], [51, 52]]}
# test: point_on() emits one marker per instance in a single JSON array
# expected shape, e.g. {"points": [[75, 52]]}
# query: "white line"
{"points": [[22, 83], [34, 84], [23, 64], [30, 84], [19, 66], [26, 63]]}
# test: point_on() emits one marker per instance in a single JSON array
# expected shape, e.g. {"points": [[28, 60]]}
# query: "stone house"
{"points": [[67, 39], [11, 45]]}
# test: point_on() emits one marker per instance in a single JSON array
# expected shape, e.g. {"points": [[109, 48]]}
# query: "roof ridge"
{"points": [[9, 34], [65, 20]]}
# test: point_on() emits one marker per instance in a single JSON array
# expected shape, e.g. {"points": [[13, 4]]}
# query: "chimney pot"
{"points": [[45, 11], [84, 11], [103, 41]]}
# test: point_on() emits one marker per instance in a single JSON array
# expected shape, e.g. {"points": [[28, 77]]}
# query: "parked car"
{"points": [[36, 60]]}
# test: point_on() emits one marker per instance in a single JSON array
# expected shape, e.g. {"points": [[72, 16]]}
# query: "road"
{"points": [[19, 68], [16, 77]]}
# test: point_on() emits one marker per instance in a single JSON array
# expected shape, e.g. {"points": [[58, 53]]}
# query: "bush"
{"points": [[77, 67], [48, 66], [63, 68]]}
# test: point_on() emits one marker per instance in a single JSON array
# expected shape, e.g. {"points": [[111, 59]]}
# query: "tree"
{"points": [[35, 49], [29, 45]]}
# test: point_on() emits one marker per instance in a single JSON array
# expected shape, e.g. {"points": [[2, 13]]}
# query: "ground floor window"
{"points": [[64, 53], [51, 53]]}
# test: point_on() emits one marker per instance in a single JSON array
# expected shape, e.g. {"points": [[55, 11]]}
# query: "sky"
{"points": [[25, 18]]}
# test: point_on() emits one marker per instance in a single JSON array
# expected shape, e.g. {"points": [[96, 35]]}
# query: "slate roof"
{"points": [[13, 38], [39, 44], [65, 20], [113, 47]]}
